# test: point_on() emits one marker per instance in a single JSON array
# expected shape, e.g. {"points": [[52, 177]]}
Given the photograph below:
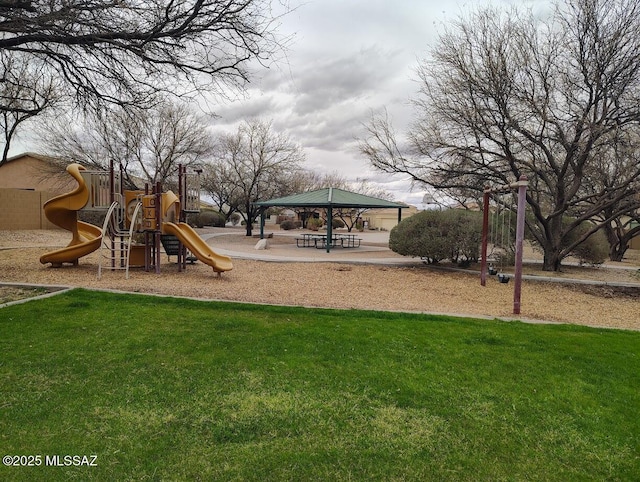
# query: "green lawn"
{"points": [[166, 389]]}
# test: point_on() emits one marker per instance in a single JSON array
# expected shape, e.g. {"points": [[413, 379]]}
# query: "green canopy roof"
{"points": [[330, 197]]}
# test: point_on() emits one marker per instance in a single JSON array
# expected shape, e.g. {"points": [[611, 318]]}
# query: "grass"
{"points": [[167, 389]]}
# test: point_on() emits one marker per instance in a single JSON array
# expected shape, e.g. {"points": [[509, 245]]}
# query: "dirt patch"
{"points": [[622, 292], [9, 294], [418, 288]]}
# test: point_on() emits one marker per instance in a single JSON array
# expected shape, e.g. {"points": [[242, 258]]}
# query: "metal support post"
{"points": [[522, 198], [485, 236], [157, 232], [262, 220], [329, 228]]}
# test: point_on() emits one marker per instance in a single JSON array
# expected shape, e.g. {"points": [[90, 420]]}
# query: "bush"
{"points": [[337, 223], [314, 224], [212, 218], [464, 234], [594, 250], [193, 220], [92, 217], [205, 218], [287, 225], [235, 219], [437, 235]]}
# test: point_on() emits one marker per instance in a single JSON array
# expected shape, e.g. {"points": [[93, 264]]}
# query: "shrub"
{"points": [[235, 219], [92, 217], [337, 223], [437, 235], [193, 220], [212, 218], [287, 225], [594, 250], [205, 218], [465, 234], [314, 224]]}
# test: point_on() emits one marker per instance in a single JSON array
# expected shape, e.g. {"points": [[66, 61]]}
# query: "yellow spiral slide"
{"points": [[63, 212]]}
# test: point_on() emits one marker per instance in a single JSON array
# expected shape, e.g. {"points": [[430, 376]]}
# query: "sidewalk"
{"points": [[374, 250]]}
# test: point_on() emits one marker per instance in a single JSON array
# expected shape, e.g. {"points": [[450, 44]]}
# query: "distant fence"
{"points": [[22, 209]]}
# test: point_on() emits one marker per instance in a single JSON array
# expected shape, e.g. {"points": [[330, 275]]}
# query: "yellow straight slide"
{"points": [[198, 246]]}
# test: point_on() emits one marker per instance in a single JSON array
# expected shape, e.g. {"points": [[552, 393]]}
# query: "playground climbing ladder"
{"points": [[116, 242]]}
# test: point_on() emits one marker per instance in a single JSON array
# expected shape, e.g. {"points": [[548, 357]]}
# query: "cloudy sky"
{"points": [[347, 59]]}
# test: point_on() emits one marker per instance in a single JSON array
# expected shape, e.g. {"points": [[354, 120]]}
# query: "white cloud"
{"points": [[346, 60]]}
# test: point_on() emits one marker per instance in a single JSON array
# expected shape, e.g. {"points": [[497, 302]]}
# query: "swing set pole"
{"points": [[485, 235], [522, 198], [521, 185]]}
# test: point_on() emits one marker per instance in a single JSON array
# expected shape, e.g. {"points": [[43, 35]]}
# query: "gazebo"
{"points": [[327, 198]]}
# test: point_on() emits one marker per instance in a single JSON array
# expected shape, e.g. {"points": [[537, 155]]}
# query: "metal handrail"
{"points": [[111, 230]]}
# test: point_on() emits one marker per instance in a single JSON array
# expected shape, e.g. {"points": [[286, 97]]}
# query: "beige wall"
{"points": [[30, 171], [22, 209], [26, 183], [386, 219]]}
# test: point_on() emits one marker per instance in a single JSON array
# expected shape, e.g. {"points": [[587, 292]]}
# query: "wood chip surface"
{"points": [[338, 284]]}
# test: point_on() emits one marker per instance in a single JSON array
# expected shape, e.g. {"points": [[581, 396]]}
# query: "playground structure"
{"points": [[134, 225], [521, 187]]}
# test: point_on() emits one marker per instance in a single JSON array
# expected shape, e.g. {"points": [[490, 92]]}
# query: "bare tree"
{"points": [[219, 179], [25, 92], [308, 180], [352, 216], [124, 53], [505, 94], [148, 144], [253, 164], [620, 221]]}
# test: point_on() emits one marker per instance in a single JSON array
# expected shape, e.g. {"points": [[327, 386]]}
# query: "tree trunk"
{"points": [[552, 260], [618, 245], [551, 245], [616, 253], [248, 220]]}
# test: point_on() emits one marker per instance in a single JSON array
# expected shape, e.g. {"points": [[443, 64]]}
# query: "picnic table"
{"points": [[319, 241]]}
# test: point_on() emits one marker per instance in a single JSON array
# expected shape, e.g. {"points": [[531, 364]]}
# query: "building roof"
{"points": [[330, 197], [34, 155]]}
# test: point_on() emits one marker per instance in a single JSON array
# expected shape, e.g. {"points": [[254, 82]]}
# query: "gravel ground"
{"points": [[337, 285]]}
